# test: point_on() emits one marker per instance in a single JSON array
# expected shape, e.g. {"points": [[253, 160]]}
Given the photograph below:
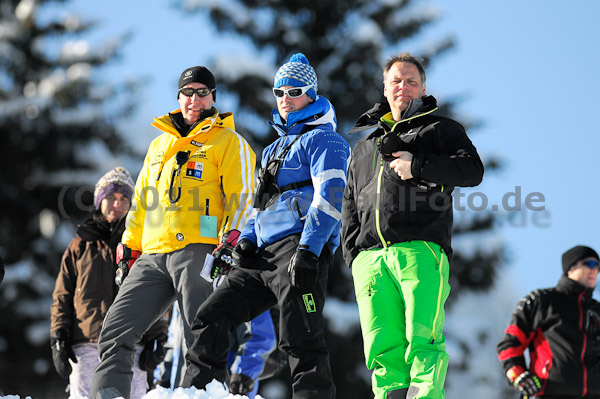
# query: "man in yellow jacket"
{"points": [[195, 185]]}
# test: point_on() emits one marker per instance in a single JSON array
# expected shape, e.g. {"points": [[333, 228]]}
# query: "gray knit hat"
{"points": [[118, 179]]}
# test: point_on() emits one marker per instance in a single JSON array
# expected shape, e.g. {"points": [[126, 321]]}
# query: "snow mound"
{"points": [[214, 390]]}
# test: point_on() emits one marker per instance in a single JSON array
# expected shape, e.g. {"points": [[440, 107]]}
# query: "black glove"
{"points": [[592, 325], [304, 269], [244, 254], [222, 254], [152, 355], [240, 384], [125, 259], [61, 353], [527, 384]]}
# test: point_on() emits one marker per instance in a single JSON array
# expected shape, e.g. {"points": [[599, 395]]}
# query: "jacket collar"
{"points": [[572, 287], [98, 229], [372, 118], [201, 130], [319, 113], [165, 123]]}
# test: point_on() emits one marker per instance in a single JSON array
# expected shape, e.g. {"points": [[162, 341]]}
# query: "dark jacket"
{"points": [[557, 327], [380, 209], [85, 287]]}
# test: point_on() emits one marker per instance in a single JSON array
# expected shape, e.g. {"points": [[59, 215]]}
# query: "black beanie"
{"points": [[576, 254], [198, 74]]}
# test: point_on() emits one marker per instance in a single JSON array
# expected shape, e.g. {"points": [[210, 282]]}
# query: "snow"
{"points": [[235, 10], [470, 244], [74, 49], [214, 390], [341, 316], [365, 31], [478, 320], [233, 67], [25, 10]]}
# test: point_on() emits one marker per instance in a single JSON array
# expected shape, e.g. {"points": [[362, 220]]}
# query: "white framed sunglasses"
{"points": [[293, 92]]}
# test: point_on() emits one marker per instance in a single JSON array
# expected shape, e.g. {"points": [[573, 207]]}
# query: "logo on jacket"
{"points": [[194, 169], [179, 237], [309, 303]]}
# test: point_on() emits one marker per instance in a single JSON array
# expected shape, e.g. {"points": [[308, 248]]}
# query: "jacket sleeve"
{"points": [[350, 222], [236, 170], [520, 333], [62, 311], [255, 339], [134, 224], [248, 232], [456, 164], [328, 154]]}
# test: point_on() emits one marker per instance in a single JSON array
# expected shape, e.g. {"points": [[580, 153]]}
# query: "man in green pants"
{"points": [[396, 230]]}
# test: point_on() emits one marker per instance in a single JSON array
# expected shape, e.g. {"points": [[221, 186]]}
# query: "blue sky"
{"points": [[527, 69]]}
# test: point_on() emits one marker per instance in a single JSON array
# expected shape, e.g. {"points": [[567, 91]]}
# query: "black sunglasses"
{"points": [[202, 92], [293, 92]]}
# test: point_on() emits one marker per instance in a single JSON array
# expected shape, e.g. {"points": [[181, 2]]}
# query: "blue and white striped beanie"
{"points": [[297, 73]]}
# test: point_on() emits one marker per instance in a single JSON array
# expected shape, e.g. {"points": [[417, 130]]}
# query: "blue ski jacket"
{"points": [[320, 155]]}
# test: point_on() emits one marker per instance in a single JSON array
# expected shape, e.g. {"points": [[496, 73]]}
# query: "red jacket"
{"points": [[557, 325]]}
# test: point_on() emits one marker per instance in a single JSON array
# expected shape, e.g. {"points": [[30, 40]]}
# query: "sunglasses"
{"points": [[202, 92], [294, 92], [591, 263]]}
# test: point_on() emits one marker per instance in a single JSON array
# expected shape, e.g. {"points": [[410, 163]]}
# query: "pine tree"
{"points": [[346, 42], [55, 117]]}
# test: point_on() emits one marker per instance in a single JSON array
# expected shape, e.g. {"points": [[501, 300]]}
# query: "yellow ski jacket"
{"points": [[196, 203]]}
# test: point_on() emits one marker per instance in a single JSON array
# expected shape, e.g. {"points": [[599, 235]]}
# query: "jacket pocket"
{"points": [[280, 219]]}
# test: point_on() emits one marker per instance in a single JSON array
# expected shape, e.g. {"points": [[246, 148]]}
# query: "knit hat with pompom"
{"points": [[297, 73]]}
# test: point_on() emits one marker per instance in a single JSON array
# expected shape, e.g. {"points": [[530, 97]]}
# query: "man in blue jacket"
{"points": [[286, 248]]}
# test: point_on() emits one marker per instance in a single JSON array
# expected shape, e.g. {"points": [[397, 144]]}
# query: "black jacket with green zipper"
{"points": [[379, 209]]}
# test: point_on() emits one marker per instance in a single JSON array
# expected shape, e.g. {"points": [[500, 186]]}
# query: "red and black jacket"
{"points": [[556, 325]]}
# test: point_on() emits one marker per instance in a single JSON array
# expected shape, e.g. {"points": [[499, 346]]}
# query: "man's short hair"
{"points": [[404, 57]]}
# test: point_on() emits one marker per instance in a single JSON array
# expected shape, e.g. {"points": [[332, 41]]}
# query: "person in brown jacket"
{"points": [[85, 289]]}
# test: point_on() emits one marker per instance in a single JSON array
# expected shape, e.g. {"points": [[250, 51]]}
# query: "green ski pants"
{"points": [[401, 291]]}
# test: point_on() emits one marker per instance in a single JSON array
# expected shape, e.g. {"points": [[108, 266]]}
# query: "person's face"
{"points": [[287, 104], [114, 206], [583, 274], [191, 107], [402, 84]]}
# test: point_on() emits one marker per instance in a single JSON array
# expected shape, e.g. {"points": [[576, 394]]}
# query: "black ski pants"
{"points": [[247, 293]]}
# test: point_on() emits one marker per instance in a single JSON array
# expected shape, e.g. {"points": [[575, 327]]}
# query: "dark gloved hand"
{"points": [[152, 355], [240, 384], [61, 353], [304, 269], [244, 254], [527, 384], [592, 325], [222, 254], [125, 259]]}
